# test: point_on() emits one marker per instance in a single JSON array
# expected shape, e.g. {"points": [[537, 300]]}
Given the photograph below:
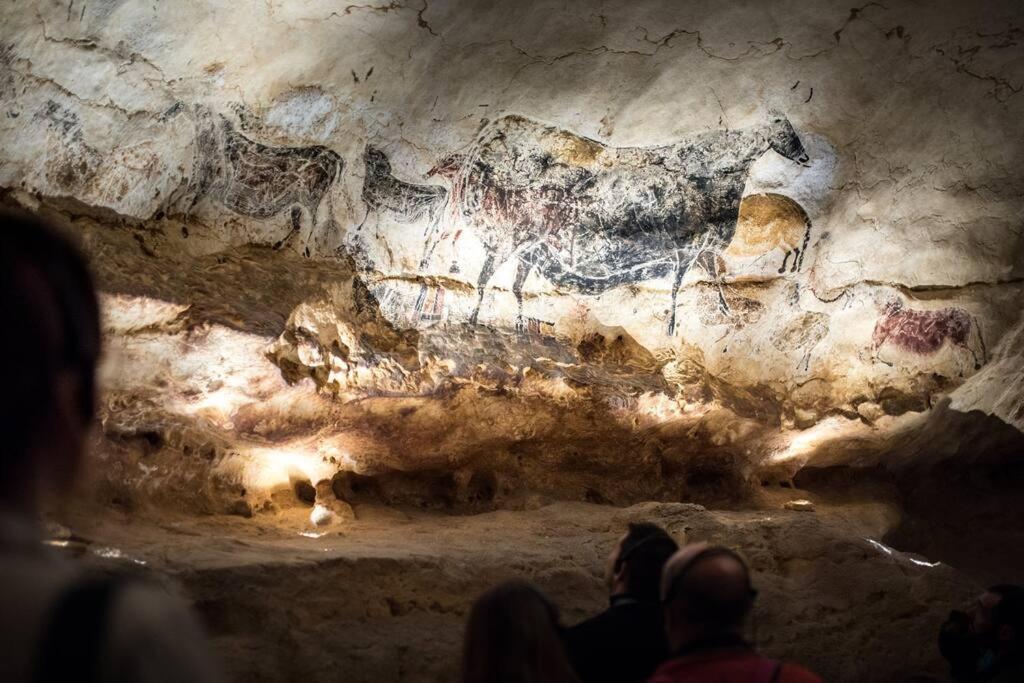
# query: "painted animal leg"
{"points": [[522, 272], [797, 255], [877, 350], [313, 210], [782, 268], [428, 251], [433, 236], [454, 268], [481, 284], [296, 221], [709, 262], [363, 222], [676, 281], [803, 247]]}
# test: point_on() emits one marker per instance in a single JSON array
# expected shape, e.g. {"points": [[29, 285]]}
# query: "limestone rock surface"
{"points": [[466, 253]]}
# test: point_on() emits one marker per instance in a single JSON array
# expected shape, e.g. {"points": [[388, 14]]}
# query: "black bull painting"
{"points": [[589, 217]]}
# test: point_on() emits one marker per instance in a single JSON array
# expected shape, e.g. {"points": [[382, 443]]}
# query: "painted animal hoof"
{"points": [[454, 268], [277, 245]]}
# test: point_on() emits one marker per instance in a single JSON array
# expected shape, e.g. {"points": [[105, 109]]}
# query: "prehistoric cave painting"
{"points": [[925, 332], [447, 168], [389, 301], [541, 328], [430, 303], [590, 217], [771, 221], [71, 163], [802, 333], [405, 202], [742, 311], [260, 181]]}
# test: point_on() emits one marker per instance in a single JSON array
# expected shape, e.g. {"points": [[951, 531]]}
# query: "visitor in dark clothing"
{"points": [[707, 595], [626, 642], [57, 623], [514, 636], [985, 642]]}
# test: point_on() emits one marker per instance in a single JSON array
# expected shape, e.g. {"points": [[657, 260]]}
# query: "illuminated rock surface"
{"points": [[386, 599], [471, 257]]}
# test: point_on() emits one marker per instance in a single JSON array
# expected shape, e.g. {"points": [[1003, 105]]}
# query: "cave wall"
{"points": [[604, 251]]}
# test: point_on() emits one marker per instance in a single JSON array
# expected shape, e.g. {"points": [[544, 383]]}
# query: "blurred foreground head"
{"points": [[986, 640], [49, 348], [513, 636], [706, 593]]}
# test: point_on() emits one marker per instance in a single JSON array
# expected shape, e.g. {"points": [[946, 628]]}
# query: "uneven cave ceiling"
{"points": [[477, 252]]}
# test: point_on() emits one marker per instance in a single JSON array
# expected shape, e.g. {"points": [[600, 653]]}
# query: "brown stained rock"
{"points": [[305, 491], [870, 411], [804, 418]]}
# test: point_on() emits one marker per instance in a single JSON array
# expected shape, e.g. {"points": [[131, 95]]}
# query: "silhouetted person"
{"points": [[986, 641], [707, 595], [56, 625], [513, 636], [626, 642]]}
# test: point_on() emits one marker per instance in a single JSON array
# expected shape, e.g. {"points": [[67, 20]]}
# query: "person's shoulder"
{"points": [[794, 673], [154, 637], [589, 624]]}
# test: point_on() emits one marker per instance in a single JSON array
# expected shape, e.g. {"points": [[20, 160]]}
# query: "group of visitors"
{"points": [[676, 614]]}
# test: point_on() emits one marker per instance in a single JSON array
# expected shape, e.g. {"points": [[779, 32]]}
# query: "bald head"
{"points": [[706, 591]]}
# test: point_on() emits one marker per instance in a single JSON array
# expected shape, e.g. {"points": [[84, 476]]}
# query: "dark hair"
{"points": [[718, 603], [1006, 590], [49, 307], [513, 636], [645, 550], [1009, 611]]}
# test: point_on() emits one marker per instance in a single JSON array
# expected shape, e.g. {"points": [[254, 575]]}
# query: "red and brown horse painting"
{"points": [[925, 332]]}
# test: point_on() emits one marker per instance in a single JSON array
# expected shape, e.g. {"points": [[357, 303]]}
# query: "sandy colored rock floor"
{"points": [[384, 598]]}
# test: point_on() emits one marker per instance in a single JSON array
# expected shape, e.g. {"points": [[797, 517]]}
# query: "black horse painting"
{"points": [[260, 181], [590, 217]]}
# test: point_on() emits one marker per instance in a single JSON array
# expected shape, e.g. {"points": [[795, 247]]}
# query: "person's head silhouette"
{"points": [[49, 350]]}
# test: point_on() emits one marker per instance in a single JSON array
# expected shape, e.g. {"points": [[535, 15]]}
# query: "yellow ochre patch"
{"points": [[768, 221], [574, 150]]}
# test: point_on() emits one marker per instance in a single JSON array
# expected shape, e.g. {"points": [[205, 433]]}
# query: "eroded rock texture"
{"points": [[470, 254]]}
